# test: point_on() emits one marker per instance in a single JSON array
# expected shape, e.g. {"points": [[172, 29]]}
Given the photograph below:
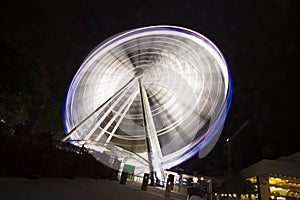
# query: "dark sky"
{"points": [[258, 39]]}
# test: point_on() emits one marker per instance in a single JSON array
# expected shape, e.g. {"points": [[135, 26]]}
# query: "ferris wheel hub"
{"points": [[139, 72]]}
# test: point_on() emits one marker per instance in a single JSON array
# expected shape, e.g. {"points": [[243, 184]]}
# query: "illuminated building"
{"points": [[276, 179]]}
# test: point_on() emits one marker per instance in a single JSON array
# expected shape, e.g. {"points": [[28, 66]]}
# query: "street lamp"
{"points": [[229, 143]]}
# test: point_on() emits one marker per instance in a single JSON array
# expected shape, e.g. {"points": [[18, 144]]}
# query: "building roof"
{"points": [[285, 166], [294, 158]]}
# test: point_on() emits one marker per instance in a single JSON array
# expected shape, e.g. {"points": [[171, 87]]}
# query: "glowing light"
{"points": [[272, 188], [281, 198], [195, 179], [168, 85]]}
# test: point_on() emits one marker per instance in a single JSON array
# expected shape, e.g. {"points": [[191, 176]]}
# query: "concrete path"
{"points": [[76, 189]]}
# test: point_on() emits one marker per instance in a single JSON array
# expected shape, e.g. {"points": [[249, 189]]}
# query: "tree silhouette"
{"points": [[25, 98]]}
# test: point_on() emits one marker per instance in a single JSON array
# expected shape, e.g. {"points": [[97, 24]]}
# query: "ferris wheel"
{"points": [[151, 97]]}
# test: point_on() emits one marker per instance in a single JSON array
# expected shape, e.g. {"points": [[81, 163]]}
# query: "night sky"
{"points": [[257, 38]]}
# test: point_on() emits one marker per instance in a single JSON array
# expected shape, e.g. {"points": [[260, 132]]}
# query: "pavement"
{"points": [[77, 189]]}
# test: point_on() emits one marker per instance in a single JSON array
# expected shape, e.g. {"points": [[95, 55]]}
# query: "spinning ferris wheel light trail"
{"points": [[151, 97]]}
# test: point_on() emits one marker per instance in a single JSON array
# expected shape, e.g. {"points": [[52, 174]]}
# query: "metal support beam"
{"points": [[152, 142], [96, 110], [102, 115], [126, 103], [120, 119]]}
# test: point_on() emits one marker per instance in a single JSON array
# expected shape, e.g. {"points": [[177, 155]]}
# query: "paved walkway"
{"points": [[76, 189]]}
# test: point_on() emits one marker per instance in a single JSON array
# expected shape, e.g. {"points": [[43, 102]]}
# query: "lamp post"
{"points": [[229, 144]]}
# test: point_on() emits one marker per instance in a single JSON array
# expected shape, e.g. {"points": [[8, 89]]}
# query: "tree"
{"points": [[25, 98]]}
